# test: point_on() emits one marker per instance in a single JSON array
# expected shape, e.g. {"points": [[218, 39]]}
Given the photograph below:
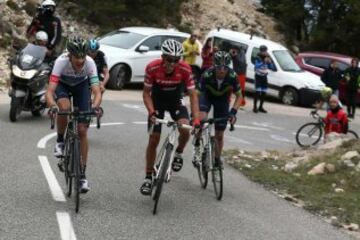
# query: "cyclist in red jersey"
{"points": [[164, 83]]}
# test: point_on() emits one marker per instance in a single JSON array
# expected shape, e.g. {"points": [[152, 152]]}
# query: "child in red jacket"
{"points": [[336, 119]]}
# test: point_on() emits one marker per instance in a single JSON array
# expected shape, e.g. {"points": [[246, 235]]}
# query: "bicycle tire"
{"points": [[69, 166], [313, 127], [353, 133], [203, 171], [162, 174], [76, 162], [216, 169]]}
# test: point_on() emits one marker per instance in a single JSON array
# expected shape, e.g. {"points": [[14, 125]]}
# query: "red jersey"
{"points": [[207, 57], [168, 88], [336, 121]]}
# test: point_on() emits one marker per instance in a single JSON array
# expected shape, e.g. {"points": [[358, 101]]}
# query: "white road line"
{"points": [[140, 123], [237, 140], [280, 138], [132, 106], [267, 125], [54, 186], [252, 128], [108, 124], [44, 140], [65, 226]]}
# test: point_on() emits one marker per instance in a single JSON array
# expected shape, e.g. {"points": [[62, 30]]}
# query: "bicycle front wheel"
{"points": [[352, 134], [76, 161], [203, 170], [164, 166], [216, 172], [309, 134]]}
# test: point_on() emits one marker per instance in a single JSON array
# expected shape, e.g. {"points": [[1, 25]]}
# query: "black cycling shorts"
{"points": [[177, 112], [221, 109], [80, 94]]}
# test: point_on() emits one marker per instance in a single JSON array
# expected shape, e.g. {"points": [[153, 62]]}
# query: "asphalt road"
{"points": [[32, 207]]}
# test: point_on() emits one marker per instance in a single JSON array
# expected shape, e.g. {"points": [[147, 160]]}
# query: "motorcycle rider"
{"points": [[46, 21]]}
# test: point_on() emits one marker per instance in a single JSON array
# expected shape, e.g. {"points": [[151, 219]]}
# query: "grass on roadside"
{"points": [[317, 192]]}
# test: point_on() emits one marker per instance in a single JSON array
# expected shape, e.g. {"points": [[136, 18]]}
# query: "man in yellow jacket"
{"points": [[191, 49]]}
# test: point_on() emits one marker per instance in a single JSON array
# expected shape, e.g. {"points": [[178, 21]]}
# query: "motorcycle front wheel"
{"points": [[15, 108]]}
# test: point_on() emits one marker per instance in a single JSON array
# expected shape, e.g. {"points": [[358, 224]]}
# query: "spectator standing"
{"points": [[239, 66], [352, 77], [191, 51], [207, 55], [331, 77]]}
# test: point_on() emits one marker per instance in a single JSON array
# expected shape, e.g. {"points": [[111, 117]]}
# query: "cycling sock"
{"points": [[148, 175], [83, 169], [60, 138]]}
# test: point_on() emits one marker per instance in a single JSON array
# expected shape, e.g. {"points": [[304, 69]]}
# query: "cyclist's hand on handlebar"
{"points": [[152, 117], [53, 111], [232, 116], [98, 111], [196, 127]]}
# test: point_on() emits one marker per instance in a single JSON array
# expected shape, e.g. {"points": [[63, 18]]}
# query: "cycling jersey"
{"points": [[219, 89], [100, 62], [168, 88], [64, 72], [216, 93]]}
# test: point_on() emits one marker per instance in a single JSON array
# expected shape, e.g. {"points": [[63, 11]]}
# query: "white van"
{"points": [[288, 82]]}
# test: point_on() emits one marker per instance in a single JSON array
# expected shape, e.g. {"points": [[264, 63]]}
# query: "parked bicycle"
{"points": [[70, 161], [311, 133], [164, 159], [205, 148]]}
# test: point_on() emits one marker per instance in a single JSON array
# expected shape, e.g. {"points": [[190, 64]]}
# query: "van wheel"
{"points": [[119, 75], [290, 96]]}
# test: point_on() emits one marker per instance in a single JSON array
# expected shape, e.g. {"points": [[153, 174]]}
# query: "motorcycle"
{"points": [[29, 77]]}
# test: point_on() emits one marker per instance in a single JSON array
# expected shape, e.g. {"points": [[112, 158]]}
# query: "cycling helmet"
{"points": [[93, 45], [41, 36], [222, 58], [172, 47], [326, 92], [263, 48], [77, 46], [48, 7]]}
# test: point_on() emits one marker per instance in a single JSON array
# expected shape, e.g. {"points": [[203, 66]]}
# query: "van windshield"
{"points": [[286, 61]]}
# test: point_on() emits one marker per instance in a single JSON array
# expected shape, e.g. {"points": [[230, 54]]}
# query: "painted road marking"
{"points": [[54, 186], [252, 128], [237, 140], [280, 138], [42, 143], [267, 125], [65, 226], [107, 124]]}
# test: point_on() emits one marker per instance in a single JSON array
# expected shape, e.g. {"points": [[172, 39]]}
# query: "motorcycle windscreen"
{"points": [[31, 57]]}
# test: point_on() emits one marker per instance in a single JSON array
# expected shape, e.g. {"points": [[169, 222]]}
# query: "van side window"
{"points": [[342, 66], [154, 43], [225, 44]]}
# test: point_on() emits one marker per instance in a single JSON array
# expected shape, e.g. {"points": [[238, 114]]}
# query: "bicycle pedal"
{"points": [[61, 166]]}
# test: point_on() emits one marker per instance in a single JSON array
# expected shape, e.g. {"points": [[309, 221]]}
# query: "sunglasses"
{"points": [[172, 59], [221, 67]]}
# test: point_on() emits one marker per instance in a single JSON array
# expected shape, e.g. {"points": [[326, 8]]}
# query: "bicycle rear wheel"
{"points": [[164, 166], [309, 134], [76, 161], [352, 134], [216, 172]]}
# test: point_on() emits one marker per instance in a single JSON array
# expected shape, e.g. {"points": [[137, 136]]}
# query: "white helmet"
{"points": [[172, 47], [41, 36], [48, 3]]}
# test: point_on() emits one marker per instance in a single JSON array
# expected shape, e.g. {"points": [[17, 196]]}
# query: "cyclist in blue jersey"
{"points": [[215, 89]]}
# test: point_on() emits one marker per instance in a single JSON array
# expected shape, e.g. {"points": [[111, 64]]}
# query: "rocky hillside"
{"points": [[239, 15], [202, 15]]}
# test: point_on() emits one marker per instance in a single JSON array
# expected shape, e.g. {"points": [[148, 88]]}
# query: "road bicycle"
{"points": [[164, 160], [205, 147], [70, 162], [311, 133]]}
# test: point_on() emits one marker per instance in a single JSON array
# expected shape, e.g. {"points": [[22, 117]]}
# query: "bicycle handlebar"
{"points": [[214, 120], [78, 114], [170, 123]]}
